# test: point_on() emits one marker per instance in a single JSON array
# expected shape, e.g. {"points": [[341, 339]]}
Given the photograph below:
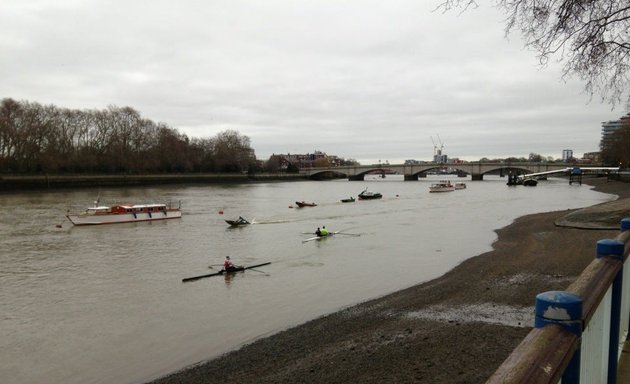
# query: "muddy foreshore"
{"points": [[455, 329]]}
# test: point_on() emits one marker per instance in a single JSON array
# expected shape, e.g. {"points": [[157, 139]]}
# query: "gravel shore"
{"points": [[455, 329]]}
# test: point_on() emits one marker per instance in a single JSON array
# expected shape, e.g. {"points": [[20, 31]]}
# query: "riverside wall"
{"points": [[42, 182]]}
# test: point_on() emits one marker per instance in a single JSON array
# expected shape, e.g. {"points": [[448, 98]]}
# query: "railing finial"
{"points": [[610, 247]]}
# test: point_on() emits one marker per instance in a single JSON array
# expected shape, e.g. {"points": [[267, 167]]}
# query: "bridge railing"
{"points": [[579, 333]]}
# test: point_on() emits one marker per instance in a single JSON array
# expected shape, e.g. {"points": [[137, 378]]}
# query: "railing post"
{"points": [[625, 226], [613, 249], [564, 309]]}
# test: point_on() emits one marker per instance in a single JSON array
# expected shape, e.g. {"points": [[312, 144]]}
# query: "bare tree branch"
{"points": [[590, 37]]}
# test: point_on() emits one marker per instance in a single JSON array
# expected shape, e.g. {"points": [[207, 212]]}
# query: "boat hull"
{"points": [[530, 182], [236, 223], [441, 189], [370, 197], [98, 219]]}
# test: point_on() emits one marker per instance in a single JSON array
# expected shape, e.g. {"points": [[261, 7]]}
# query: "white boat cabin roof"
{"points": [[104, 208], [142, 205]]}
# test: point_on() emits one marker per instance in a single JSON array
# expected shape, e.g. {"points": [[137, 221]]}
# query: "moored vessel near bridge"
{"points": [[369, 195], [460, 185], [442, 186]]}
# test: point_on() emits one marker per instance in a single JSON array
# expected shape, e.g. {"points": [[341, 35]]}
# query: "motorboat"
{"points": [[442, 186], [369, 195], [530, 182], [238, 222], [305, 204]]}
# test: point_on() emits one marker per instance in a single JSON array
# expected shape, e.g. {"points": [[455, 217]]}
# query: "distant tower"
{"points": [[567, 154]]}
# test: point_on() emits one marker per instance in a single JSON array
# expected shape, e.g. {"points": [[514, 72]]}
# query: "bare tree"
{"points": [[233, 152], [590, 38]]}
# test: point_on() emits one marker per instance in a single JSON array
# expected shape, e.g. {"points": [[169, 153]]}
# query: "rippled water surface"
{"points": [[106, 304]]}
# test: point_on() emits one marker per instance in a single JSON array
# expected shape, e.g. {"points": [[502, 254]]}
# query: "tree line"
{"points": [[37, 138]]}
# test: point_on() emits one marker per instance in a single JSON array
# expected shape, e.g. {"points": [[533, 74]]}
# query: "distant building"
{"points": [[592, 157], [567, 154], [303, 161], [439, 158], [610, 127]]}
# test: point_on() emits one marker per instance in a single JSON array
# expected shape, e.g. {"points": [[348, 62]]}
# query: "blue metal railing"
{"points": [[579, 333]]}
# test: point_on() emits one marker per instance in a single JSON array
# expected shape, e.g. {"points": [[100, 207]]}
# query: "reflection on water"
{"points": [[106, 304]]}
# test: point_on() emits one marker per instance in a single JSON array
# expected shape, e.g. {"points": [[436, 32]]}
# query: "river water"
{"points": [[106, 304]]}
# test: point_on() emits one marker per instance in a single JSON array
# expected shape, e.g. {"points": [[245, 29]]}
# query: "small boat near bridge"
{"points": [[369, 195], [442, 186]]}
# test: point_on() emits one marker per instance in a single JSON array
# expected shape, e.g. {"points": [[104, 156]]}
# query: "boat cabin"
{"points": [[122, 209]]}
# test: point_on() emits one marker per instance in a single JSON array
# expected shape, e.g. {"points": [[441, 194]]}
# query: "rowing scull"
{"points": [[223, 272], [319, 237]]}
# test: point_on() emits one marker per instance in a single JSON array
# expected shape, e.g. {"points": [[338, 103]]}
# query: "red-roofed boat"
{"points": [[124, 213]]}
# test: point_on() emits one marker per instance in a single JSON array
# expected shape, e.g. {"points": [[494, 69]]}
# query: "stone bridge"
{"points": [[475, 169]]}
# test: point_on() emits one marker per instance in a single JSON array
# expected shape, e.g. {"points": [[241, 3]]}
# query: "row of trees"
{"points": [[38, 138]]}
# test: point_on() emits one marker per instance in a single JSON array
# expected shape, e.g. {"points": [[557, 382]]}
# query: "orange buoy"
{"points": [[221, 212]]}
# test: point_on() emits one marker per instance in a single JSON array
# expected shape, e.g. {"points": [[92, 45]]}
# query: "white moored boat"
{"points": [[124, 213], [442, 186], [460, 185]]}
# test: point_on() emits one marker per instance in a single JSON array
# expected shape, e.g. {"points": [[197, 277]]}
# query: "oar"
{"points": [[257, 270], [202, 276], [319, 237]]}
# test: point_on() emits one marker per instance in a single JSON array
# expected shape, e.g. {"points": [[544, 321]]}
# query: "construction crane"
{"points": [[437, 153]]}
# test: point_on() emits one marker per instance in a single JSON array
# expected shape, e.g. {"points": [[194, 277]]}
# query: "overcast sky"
{"points": [[361, 79]]}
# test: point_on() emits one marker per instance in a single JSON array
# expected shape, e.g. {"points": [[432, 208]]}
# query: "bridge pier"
{"points": [[356, 178], [411, 178], [476, 176]]}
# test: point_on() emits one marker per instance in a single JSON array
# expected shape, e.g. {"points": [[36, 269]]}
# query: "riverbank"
{"points": [[44, 182], [455, 329]]}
